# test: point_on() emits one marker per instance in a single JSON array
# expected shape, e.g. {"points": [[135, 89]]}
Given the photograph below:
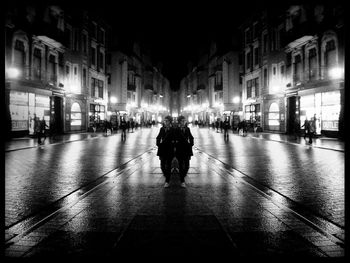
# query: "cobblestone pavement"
{"points": [[245, 196]]}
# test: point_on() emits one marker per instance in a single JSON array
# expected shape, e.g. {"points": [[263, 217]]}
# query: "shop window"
{"points": [[75, 115], [273, 117]]}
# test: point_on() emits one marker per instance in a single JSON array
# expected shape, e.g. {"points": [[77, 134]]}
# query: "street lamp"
{"points": [[236, 99], [13, 73], [113, 99], [336, 73]]}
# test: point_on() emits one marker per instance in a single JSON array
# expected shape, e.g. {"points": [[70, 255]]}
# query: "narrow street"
{"points": [[245, 196]]}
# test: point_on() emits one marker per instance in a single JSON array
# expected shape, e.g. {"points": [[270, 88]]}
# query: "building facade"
{"points": [[137, 90], [293, 68], [54, 68], [212, 89]]}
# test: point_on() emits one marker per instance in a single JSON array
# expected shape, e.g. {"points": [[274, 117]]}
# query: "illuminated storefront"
{"points": [[325, 106], [96, 114], [23, 106], [253, 114]]}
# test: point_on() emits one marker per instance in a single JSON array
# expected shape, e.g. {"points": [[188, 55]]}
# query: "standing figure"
{"points": [[123, 127], [226, 125], [312, 129], [217, 124], [165, 143], [37, 126], [306, 126], [43, 126], [183, 148]]}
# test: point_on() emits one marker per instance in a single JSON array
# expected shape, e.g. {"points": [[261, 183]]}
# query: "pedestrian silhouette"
{"points": [[306, 126], [165, 142], [312, 128], [123, 127], [43, 126], [183, 148], [226, 125]]}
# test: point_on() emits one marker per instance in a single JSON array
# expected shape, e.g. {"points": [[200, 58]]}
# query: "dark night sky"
{"points": [[175, 33]]}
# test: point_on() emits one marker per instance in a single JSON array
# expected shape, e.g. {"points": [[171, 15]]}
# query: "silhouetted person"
{"points": [[306, 126], [43, 126], [312, 129], [37, 131], [226, 126], [183, 147], [165, 143], [123, 127]]}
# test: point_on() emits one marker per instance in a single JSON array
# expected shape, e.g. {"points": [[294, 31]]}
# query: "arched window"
{"points": [[75, 115], [274, 115]]}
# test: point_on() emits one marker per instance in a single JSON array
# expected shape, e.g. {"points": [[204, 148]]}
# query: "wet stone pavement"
{"points": [[101, 197]]}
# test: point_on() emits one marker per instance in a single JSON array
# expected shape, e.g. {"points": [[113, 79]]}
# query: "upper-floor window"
{"points": [[37, 63], [256, 56], [84, 77], [52, 74], [93, 56], [94, 87], [76, 40], [67, 37], [312, 63], [101, 60], [249, 89], [256, 30], [265, 77], [257, 90], [101, 36], [248, 36], [265, 43], [19, 59], [84, 43], [100, 89], [297, 68], [93, 30], [248, 60], [330, 54]]}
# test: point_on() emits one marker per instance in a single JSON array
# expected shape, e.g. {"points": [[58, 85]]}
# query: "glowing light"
{"points": [[188, 96], [13, 73], [336, 73], [159, 118], [113, 100], [236, 99], [190, 118]]}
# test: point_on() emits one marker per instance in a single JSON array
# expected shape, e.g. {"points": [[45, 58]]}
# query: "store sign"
{"points": [[41, 101], [18, 125], [19, 98]]}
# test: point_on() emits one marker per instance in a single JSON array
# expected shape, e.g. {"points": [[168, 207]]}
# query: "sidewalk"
{"points": [[29, 142], [319, 142]]}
